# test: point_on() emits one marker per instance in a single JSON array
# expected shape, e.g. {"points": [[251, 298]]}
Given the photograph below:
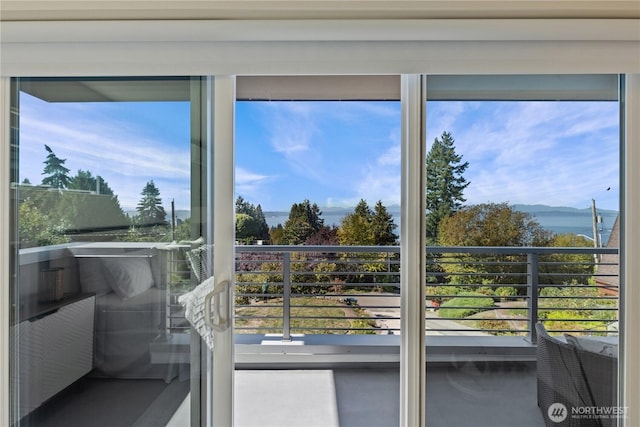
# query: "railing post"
{"points": [[286, 296], [532, 294]]}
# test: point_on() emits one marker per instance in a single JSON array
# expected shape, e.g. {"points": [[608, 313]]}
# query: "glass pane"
{"points": [[103, 191], [317, 211], [522, 288]]}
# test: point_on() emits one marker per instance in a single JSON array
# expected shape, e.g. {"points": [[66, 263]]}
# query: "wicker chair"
{"points": [[576, 379]]}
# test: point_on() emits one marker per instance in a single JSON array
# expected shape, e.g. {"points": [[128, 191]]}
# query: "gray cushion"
{"points": [[593, 344]]}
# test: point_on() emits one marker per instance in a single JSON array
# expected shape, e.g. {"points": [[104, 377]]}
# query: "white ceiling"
{"points": [[26, 10]]}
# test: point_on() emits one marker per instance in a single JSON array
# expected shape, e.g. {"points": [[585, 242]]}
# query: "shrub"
{"points": [[493, 326], [506, 291], [565, 320], [449, 291], [485, 290], [576, 308], [468, 303]]}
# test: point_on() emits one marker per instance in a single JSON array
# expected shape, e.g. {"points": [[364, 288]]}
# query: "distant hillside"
{"points": [[542, 210], [558, 209], [559, 219]]}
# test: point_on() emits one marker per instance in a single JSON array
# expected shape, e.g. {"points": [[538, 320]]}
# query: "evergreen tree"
{"points": [[445, 183], [383, 226], [304, 220], [263, 230], [364, 227], [243, 207], [150, 210], [355, 228], [57, 175], [362, 209], [84, 180]]}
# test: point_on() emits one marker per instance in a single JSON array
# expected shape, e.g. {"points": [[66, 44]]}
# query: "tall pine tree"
{"points": [[150, 210], [445, 183], [57, 173], [383, 226]]}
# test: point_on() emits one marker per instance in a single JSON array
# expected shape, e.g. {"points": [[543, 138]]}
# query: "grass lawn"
{"points": [[308, 316]]}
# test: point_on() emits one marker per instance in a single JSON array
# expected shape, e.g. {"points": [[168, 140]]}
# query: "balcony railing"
{"points": [[289, 290]]}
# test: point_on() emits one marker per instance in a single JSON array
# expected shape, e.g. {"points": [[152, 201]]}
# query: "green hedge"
{"points": [[468, 303]]}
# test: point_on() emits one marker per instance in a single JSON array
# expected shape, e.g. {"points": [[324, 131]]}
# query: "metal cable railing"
{"points": [[288, 290]]}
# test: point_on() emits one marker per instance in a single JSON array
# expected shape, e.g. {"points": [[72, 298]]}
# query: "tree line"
{"points": [[65, 208], [305, 226], [83, 206], [48, 217]]}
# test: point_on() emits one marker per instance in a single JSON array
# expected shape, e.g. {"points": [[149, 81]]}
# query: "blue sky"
{"points": [[336, 153], [128, 144], [332, 153]]}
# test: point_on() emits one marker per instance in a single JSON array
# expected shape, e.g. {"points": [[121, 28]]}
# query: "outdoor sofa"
{"points": [[583, 380]]}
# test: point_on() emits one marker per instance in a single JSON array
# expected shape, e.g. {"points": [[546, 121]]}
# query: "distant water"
{"points": [[576, 221]]}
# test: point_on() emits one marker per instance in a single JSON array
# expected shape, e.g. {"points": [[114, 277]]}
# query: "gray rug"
{"points": [[285, 399]]}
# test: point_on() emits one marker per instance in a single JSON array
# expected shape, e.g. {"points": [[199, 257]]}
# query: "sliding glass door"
{"points": [[523, 225], [120, 187], [112, 196], [318, 205]]}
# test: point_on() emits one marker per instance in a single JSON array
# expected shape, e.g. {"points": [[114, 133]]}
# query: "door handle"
{"points": [[216, 321]]}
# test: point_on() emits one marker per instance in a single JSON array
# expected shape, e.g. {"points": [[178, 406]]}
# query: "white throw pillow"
{"points": [[128, 277], [593, 344], [92, 279]]}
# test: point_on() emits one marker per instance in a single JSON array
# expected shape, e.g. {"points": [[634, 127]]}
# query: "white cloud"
{"points": [[555, 153], [293, 133], [302, 133], [251, 186], [124, 153], [380, 179]]}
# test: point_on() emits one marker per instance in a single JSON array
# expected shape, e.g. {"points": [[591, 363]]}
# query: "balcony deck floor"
{"points": [[467, 394]]}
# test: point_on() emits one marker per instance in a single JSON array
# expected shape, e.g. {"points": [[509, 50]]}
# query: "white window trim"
{"points": [[342, 30], [5, 128], [630, 355], [471, 46]]}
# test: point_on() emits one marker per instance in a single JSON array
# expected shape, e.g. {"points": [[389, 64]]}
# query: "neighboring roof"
{"points": [[609, 268], [39, 10]]}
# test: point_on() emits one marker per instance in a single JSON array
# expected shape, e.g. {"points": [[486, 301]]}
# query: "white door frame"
{"points": [[221, 107], [412, 252]]}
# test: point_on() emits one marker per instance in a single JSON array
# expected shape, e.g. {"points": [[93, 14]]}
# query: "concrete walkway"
{"points": [[386, 309]]}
